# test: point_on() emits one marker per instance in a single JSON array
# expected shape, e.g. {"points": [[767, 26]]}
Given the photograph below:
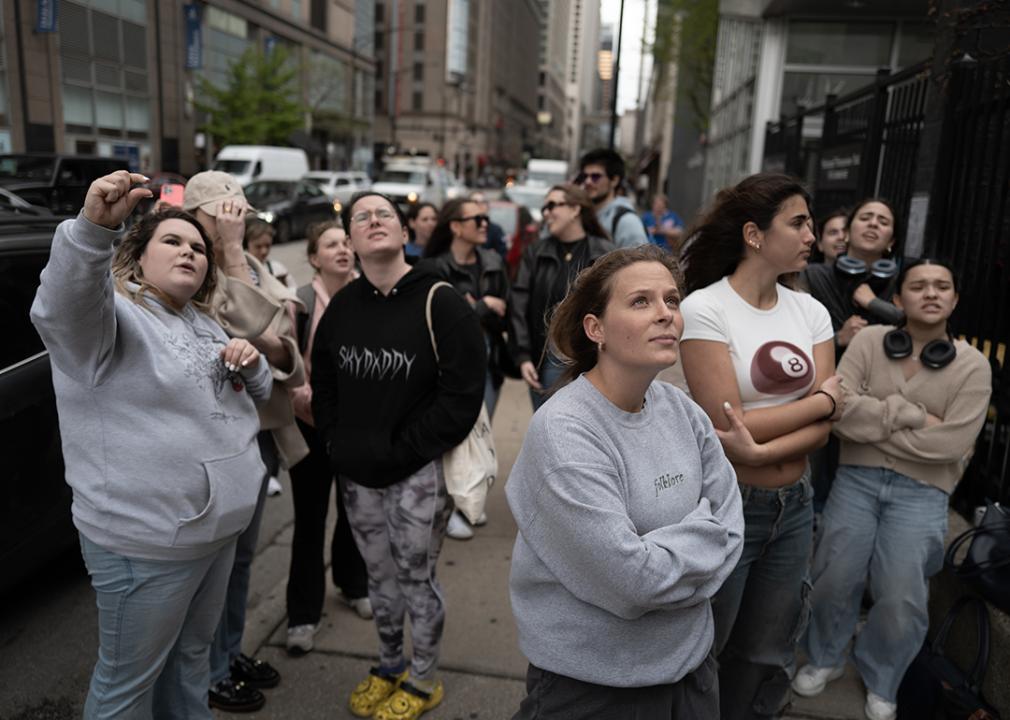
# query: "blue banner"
{"points": [[45, 17], [194, 40]]}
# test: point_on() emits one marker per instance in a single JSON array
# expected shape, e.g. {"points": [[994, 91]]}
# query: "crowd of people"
{"points": [[678, 551]]}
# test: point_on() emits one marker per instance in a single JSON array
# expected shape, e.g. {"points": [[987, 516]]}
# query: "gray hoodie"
{"points": [[628, 524], [159, 445], [630, 230]]}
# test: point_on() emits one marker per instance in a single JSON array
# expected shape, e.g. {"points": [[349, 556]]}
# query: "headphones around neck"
{"points": [[878, 275], [935, 355]]}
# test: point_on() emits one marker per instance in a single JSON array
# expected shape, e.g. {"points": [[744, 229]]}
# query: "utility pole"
{"points": [[617, 78]]}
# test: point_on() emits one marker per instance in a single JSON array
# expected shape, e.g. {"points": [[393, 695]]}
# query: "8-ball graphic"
{"points": [[780, 368]]}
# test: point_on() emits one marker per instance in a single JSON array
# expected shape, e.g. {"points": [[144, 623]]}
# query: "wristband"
{"points": [[834, 405]]}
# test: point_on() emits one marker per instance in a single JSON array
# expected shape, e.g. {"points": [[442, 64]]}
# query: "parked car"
{"points": [[339, 185], [250, 163], [57, 182], [290, 206], [11, 203], [35, 521]]}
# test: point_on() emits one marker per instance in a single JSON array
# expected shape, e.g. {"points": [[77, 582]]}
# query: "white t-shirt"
{"points": [[771, 350]]}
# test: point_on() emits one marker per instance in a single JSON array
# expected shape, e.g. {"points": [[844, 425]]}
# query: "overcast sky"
{"points": [[631, 45]]}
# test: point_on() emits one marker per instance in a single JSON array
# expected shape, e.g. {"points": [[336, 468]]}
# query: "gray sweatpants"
{"points": [[399, 531]]}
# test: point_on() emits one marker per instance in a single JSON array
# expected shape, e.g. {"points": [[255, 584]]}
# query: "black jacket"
{"points": [[493, 281], [383, 404], [835, 293], [532, 298]]}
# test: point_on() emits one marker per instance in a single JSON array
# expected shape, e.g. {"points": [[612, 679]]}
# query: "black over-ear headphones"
{"points": [[935, 354]]}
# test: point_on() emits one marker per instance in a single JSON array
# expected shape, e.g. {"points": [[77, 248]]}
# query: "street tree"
{"points": [[259, 104]]}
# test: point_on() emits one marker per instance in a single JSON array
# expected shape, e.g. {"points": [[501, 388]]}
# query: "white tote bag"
{"points": [[470, 467]]}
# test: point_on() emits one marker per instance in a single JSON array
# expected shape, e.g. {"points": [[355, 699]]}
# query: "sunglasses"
{"points": [[550, 205], [478, 220], [593, 177]]}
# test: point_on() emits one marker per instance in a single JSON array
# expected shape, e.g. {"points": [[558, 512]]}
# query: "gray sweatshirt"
{"points": [[628, 524], [160, 448]]}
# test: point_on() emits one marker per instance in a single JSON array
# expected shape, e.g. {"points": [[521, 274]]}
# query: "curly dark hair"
{"points": [[715, 246]]}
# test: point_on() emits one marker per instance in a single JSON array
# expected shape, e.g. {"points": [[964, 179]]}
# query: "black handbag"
{"points": [[986, 566], [934, 686]]}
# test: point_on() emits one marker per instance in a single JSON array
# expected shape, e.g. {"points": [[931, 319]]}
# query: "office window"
{"points": [[417, 101], [419, 41], [419, 71], [380, 12], [419, 14], [378, 41]]}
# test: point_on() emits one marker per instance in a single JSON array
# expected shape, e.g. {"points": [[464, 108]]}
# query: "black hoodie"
{"points": [[380, 400]]}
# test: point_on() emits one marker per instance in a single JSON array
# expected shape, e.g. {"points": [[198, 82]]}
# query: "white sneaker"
{"points": [[362, 606], [811, 680], [482, 520], [877, 708], [274, 486], [459, 528], [300, 639]]}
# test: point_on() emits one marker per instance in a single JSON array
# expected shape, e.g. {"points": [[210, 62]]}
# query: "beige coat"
{"points": [[245, 310]]}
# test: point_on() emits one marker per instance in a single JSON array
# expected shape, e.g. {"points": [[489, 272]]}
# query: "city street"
{"points": [[48, 629]]}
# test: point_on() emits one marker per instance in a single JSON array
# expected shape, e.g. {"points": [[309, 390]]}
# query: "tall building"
{"points": [[552, 126], [581, 71], [458, 80], [773, 56], [122, 77]]}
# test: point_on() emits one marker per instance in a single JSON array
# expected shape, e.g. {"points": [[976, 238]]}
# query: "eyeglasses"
{"points": [[478, 220], [365, 216], [593, 177], [550, 205]]}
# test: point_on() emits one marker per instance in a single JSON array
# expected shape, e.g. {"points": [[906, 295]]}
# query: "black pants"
{"points": [[550, 696], [311, 482]]}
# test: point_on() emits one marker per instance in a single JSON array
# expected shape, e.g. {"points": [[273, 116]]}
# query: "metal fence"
{"points": [[859, 145], [969, 224], [867, 144]]}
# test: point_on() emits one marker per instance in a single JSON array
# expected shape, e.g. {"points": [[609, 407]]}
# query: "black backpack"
{"points": [[623, 210]]}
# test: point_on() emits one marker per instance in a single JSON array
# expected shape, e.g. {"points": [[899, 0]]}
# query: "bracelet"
{"points": [[834, 405]]}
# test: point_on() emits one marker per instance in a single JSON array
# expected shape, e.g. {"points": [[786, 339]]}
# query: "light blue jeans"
{"points": [[228, 639], [882, 523], [156, 620], [762, 609]]}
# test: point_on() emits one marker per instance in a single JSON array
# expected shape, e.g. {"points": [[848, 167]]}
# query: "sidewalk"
{"points": [[482, 667]]}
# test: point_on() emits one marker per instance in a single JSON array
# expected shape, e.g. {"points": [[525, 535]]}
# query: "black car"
{"points": [[57, 182], [35, 522], [290, 206]]}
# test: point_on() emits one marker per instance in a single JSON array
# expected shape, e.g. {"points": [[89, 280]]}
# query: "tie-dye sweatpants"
{"points": [[399, 531]]}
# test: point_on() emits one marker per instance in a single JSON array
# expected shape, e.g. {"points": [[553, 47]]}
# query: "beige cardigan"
{"points": [[245, 310], [885, 415]]}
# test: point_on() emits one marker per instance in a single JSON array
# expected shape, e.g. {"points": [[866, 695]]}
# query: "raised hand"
{"points": [[110, 200]]}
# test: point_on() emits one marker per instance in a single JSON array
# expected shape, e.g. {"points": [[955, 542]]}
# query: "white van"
{"points": [[247, 163], [408, 180], [541, 171]]}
